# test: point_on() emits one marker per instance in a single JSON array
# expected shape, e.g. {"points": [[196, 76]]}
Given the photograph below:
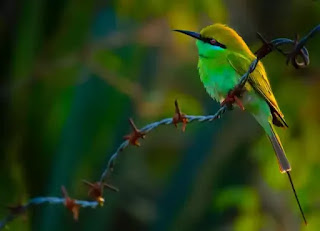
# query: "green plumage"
{"points": [[221, 67]]}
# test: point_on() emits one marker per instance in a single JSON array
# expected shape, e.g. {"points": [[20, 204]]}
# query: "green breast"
{"points": [[217, 76]]}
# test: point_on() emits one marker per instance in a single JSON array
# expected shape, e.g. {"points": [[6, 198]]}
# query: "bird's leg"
{"points": [[233, 97]]}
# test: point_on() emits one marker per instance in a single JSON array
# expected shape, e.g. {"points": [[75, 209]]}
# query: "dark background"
{"points": [[74, 71]]}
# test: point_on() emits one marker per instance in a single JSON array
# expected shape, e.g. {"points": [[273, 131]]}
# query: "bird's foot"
{"points": [[233, 97]]}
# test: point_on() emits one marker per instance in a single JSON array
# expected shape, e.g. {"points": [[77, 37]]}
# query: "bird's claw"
{"points": [[233, 97]]}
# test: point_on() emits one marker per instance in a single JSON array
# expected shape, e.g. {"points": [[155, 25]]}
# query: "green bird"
{"points": [[223, 58]]}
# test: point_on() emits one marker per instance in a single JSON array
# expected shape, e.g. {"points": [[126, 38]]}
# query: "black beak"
{"points": [[190, 33]]}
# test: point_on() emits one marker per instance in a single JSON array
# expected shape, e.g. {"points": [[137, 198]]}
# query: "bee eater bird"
{"points": [[223, 58]]}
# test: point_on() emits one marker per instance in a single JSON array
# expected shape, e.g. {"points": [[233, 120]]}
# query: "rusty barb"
{"points": [[70, 204], [135, 135], [265, 49], [96, 190], [179, 117]]}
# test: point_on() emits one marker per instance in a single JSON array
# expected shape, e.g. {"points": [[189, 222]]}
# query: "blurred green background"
{"points": [[74, 71]]}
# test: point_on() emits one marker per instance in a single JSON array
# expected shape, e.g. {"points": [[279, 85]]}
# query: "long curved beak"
{"points": [[190, 33]]}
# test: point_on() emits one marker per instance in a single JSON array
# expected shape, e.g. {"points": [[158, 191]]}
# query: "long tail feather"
{"points": [[297, 199], [284, 164]]}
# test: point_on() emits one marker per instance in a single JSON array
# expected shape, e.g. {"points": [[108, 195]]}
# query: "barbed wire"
{"points": [[96, 188], [148, 128], [18, 210]]}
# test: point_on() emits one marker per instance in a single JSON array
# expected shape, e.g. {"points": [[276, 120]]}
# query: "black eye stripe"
{"points": [[207, 40], [213, 42], [222, 45]]}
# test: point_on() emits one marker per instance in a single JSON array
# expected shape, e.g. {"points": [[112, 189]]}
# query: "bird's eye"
{"points": [[213, 41]]}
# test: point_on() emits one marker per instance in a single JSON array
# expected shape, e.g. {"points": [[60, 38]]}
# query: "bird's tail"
{"points": [[283, 162]]}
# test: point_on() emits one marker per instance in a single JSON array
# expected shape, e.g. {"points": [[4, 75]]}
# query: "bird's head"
{"points": [[217, 37]]}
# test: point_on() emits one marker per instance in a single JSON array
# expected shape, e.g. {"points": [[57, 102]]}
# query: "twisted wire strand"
{"points": [[148, 128], [42, 200]]}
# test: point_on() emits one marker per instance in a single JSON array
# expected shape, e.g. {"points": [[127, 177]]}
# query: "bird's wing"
{"points": [[259, 81]]}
